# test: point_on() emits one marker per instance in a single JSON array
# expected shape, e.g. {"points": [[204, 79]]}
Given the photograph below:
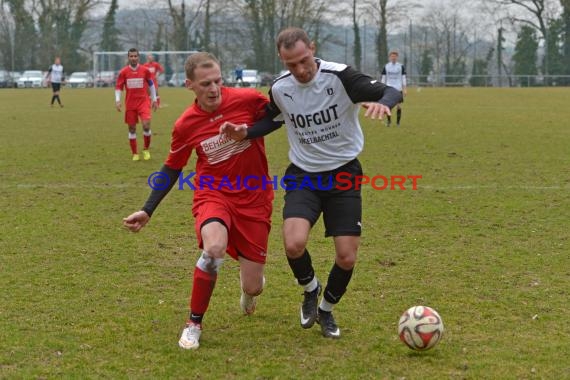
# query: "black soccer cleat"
{"points": [[309, 307], [328, 324]]}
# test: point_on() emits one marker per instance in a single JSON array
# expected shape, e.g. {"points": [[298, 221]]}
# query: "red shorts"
{"points": [[141, 111], [248, 226]]}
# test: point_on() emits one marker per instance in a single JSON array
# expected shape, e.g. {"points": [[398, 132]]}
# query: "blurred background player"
{"points": [[229, 217], [238, 72], [137, 80], [155, 69], [394, 75], [55, 76]]}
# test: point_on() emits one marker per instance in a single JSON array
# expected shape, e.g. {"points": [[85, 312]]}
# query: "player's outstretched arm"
{"points": [[376, 110], [136, 221], [262, 127]]}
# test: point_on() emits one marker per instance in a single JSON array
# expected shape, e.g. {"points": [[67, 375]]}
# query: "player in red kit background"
{"points": [[138, 82], [228, 218], [155, 69]]}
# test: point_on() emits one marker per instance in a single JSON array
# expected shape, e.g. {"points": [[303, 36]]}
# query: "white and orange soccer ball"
{"points": [[420, 328]]}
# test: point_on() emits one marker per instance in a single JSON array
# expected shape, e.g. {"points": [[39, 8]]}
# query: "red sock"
{"points": [[202, 289], [146, 141], [158, 101], [133, 143]]}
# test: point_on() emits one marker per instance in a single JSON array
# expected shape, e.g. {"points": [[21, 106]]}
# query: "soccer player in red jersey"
{"points": [[155, 69], [229, 216], [138, 82]]}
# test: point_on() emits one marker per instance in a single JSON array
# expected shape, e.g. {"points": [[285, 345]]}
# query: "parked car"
{"points": [[251, 78], [5, 79], [80, 79], [105, 79], [14, 76], [31, 79], [266, 79], [177, 79]]}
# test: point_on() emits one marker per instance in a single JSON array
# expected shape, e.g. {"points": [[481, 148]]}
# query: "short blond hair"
{"points": [[201, 59]]}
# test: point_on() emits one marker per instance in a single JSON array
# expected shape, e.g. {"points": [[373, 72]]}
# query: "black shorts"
{"points": [[309, 194], [55, 87]]}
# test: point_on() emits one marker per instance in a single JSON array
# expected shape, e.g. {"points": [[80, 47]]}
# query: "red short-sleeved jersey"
{"points": [[155, 69], [223, 165], [135, 80]]}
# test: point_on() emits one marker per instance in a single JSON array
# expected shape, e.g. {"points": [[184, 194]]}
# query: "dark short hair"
{"points": [[133, 50], [201, 59], [288, 37]]}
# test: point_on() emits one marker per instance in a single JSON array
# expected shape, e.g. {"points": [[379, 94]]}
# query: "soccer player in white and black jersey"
{"points": [[394, 75], [319, 103], [56, 77]]}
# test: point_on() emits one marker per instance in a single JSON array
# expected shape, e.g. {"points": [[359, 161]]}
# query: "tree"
{"points": [[182, 27], [23, 34], [539, 13], [525, 55], [110, 36], [357, 45], [566, 34], [426, 65], [382, 35], [447, 36], [554, 50], [265, 18]]}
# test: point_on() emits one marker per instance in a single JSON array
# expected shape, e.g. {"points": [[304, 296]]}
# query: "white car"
{"points": [[80, 79], [251, 78], [30, 79], [177, 80]]}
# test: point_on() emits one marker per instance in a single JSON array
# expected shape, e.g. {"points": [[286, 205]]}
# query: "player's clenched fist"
{"points": [[235, 132], [136, 221]]}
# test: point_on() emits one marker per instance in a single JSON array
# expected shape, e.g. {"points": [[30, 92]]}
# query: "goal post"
{"points": [[113, 61]]}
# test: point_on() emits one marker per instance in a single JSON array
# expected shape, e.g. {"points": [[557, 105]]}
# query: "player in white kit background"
{"points": [[55, 78], [394, 75]]}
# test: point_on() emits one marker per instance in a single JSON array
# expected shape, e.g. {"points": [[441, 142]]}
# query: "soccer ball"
{"points": [[420, 328]]}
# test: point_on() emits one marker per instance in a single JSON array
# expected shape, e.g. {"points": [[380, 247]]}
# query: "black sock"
{"points": [[337, 283], [196, 318], [302, 268], [57, 97], [398, 115], [52, 99]]}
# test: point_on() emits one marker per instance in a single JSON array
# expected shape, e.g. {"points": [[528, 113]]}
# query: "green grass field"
{"points": [[484, 240]]}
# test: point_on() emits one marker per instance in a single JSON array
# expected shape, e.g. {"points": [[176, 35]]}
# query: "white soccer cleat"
{"points": [[190, 339], [247, 302]]}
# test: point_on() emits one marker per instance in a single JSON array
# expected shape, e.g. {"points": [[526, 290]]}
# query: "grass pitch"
{"points": [[484, 240]]}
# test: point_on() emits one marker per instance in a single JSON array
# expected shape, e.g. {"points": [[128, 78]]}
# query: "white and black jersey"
{"points": [[322, 116], [394, 75], [55, 73]]}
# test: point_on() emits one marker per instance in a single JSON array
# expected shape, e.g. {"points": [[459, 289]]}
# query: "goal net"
{"points": [[107, 64]]}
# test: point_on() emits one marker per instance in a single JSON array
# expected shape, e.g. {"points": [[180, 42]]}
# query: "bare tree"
{"points": [[183, 23], [385, 13], [534, 13], [449, 42]]}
